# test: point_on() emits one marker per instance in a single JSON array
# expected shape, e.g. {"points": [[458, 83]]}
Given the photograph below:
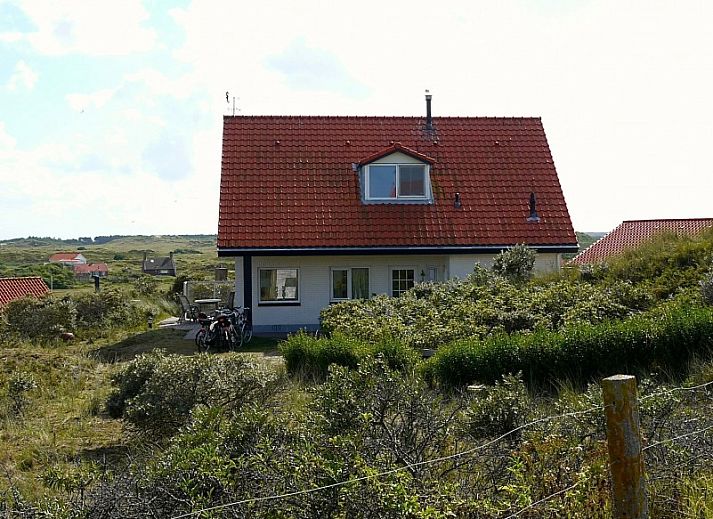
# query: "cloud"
{"points": [[312, 68], [7, 142], [98, 99], [168, 156], [96, 28], [23, 77]]}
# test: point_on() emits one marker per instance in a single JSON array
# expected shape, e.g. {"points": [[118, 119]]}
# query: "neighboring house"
{"points": [[317, 210], [68, 259], [163, 266], [632, 233], [12, 289], [85, 272]]}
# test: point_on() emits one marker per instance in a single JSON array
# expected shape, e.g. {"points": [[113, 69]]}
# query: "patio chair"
{"points": [[189, 312], [230, 303]]}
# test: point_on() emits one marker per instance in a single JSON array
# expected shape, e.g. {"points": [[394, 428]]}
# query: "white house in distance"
{"points": [[320, 209], [68, 259]]}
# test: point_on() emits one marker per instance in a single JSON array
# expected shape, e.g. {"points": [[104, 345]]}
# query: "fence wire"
{"points": [[677, 424]]}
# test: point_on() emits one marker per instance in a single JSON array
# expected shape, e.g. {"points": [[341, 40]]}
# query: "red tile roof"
{"points": [[394, 148], [632, 233], [288, 183], [89, 268], [17, 288], [64, 256]]}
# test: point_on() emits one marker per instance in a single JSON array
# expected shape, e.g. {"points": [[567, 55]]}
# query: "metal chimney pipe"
{"points": [[429, 119]]}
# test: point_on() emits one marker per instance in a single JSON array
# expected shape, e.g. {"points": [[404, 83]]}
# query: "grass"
{"points": [[173, 341], [64, 424], [62, 419]]}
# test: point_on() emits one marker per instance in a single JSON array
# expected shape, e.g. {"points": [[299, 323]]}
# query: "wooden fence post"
{"points": [[626, 463]]}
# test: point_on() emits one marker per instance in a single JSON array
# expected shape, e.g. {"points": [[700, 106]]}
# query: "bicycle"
{"points": [[242, 325], [217, 330]]}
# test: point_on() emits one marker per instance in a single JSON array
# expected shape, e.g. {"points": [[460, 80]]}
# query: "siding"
{"points": [[314, 281]]}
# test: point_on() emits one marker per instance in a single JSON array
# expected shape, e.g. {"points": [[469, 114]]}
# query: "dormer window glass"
{"points": [[396, 181]]}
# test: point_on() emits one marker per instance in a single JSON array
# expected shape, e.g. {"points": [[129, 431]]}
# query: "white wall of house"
{"points": [[315, 277], [460, 265]]}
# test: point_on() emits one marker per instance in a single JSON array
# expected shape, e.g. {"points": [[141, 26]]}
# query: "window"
{"points": [[350, 283], [401, 281], [396, 181], [279, 285]]}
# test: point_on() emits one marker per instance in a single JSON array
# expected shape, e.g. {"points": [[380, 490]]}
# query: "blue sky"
{"points": [[111, 112]]}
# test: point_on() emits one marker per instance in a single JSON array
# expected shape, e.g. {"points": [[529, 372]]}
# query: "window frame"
{"points": [[278, 302], [350, 292], [426, 181], [391, 278]]}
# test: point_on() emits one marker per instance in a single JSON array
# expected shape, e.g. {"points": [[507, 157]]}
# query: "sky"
{"points": [[111, 112]]}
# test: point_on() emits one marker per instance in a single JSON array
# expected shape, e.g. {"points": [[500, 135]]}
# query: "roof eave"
{"points": [[421, 249]]}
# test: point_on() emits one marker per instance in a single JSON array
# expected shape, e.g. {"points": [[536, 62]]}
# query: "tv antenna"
{"points": [[227, 100]]}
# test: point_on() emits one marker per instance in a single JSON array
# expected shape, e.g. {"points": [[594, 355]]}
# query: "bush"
{"points": [[707, 287], [498, 409], [40, 318], [306, 356], [18, 387], [106, 308], [157, 392], [515, 264], [432, 314], [667, 339], [146, 285]]}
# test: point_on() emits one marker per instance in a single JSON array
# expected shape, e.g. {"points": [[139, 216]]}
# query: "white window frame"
{"points": [[278, 301], [391, 277], [350, 294], [426, 182]]}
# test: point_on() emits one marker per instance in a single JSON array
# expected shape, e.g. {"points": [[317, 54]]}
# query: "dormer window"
{"points": [[396, 181], [395, 175]]}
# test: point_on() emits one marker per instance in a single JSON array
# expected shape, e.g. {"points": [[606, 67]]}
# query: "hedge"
{"points": [[307, 356], [666, 339]]}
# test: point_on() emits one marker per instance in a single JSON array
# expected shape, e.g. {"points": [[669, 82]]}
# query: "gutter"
{"points": [[341, 251]]}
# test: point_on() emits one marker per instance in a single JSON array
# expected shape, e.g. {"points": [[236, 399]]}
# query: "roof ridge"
{"points": [[668, 220], [435, 118]]}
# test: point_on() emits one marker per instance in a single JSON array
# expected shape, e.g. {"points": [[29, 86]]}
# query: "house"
{"points": [[68, 259], [162, 266], [317, 209], [632, 233], [12, 289], [86, 272]]}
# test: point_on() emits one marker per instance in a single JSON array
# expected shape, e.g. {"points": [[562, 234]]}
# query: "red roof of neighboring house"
{"points": [[89, 268], [288, 182], [64, 256], [632, 233], [17, 288]]}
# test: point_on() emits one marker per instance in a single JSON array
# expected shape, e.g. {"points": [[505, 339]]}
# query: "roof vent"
{"points": [[457, 203], [533, 210], [429, 119]]}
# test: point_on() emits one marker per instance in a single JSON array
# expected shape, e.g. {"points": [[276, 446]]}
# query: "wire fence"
{"points": [[677, 425]]}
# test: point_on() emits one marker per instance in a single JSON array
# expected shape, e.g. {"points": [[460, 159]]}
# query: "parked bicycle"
{"points": [[226, 329]]}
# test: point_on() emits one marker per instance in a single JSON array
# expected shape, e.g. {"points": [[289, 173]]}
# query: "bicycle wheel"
{"points": [[201, 341], [235, 339], [246, 334]]}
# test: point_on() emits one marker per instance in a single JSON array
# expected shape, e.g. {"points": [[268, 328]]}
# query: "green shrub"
{"points": [[432, 314], [157, 392], [18, 387], [515, 264], [41, 318], [666, 338], [498, 409], [707, 288], [307, 356], [106, 308]]}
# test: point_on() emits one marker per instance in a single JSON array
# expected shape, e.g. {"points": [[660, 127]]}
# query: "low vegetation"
{"points": [[506, 418]]}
